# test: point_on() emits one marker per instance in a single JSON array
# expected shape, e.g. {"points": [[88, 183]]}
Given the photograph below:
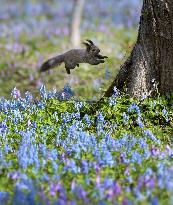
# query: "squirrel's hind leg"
{"points": [[69, 67], [68, 71]]}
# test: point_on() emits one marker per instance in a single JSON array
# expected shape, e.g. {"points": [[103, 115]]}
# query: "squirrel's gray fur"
{"points": [[73, 57]]}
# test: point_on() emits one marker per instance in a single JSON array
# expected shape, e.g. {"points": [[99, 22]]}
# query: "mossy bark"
{"points": [[151, 60]]}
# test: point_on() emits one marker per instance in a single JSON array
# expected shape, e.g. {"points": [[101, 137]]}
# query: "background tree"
{"points": [[75, 22], [151, 60]]}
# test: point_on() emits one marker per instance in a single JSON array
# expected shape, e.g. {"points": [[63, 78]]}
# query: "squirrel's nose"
{"points": [[99, 50]]}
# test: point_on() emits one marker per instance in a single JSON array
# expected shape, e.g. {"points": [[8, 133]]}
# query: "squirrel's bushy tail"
{"points": [[51, 63]]}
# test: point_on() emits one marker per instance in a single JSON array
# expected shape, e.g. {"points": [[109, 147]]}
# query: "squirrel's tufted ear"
{"points": [[90, 41], [87, 46]]}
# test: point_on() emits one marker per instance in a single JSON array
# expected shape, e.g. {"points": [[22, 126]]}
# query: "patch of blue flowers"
{"points": [[50, 153]]}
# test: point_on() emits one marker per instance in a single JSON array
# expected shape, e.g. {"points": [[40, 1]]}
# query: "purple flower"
{"points": [[73, 185], [84, 166], [81, 193], [125, 201], [116, 188], [97, 182], [154, 150], [126, 171], [53, 188], [149, 182], [15, 93]]}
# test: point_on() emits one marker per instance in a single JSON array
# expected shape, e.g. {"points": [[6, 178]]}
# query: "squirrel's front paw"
{"points": [[105, 57]]}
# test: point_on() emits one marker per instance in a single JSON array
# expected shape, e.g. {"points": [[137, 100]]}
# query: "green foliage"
{"points": [[56, 113]]}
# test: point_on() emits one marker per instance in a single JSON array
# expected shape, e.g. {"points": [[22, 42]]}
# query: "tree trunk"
{"points": [[151, 61], [75, 23]]}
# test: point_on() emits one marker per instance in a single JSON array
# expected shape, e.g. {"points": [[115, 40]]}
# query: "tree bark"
{"points": [[75, 23], [151, 60]]}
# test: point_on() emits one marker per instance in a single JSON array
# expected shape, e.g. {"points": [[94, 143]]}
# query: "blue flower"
{"points": [[3, 126], [100, 118], [149, 134], [43, 93], [107, 74], [125, 118], [134, 107], [4, 197], [84, 166], [87, 120], [154, 201], [15, 93], [139, 122], [165, 114]]}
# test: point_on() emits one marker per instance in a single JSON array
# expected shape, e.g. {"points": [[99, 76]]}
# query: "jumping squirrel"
{"points": [[73, 57]]}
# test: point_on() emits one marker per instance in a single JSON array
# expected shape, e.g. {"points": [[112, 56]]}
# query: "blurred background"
{"points": [[31, 31]]}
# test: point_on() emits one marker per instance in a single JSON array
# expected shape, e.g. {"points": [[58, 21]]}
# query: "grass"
{"points": [[21, 69]]}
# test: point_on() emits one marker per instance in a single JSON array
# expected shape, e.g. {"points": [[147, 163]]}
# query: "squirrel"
{"points": [[73, 57]]}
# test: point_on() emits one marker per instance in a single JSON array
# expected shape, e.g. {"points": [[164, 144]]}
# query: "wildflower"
{"points": [[96, 83], [4, 197], [141, 143], [149, 182], [107, 74], [154, 201], [126, 171], [96, 167], [116, 188], [107, 182], [125, 201], [84, 166], [100, 118], [125, 118], [87, 120], [154, 151], [81, 194], [78, 105], [3, 126], [43, 93], [149, 134], [28, 97], [112, 100], [97, 181], [29, 123], [73, 185], [132, 107], [53, 188], [139, 122], [165, 114], [136, 157], [68, 93], [15, 93]]}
